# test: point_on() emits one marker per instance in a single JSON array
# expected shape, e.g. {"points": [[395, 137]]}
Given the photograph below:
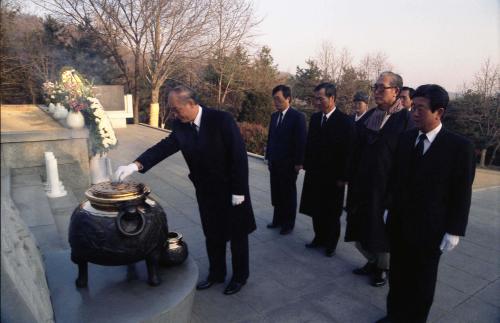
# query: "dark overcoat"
{"points": [[218, 166], [431, 195], [371, 167], [326, 161]]}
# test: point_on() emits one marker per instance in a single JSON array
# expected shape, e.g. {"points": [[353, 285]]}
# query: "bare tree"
{"points": [[119, 24], [130, 18], [371, 65], [487, 117], [233, 21], [333, 62]]}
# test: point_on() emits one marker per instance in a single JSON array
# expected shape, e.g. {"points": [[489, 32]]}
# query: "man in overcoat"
{"points": [[285, 155], [328, 150], [430, 198], [371, 165], [360, 101], [215, 153]]}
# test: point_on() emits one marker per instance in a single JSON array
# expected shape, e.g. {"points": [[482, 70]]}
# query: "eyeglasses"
{"points": [[381, 87]]}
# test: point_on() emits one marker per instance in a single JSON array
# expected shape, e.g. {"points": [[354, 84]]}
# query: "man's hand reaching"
{"points": [[125, 171]]}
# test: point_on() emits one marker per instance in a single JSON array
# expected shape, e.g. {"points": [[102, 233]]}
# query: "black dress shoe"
{"points": [[207, 284], [272, 226], [329, 252], [379, 277], [233, 287], [384, 320], [367, 269], [286, 231]]}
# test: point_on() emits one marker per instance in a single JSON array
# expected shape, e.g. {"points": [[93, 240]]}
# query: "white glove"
{"points": [[237, 199], [449, 242], [124, 171], [385, 216]]}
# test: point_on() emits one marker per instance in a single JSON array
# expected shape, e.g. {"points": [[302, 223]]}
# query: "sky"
{"points": [[427, 41]]}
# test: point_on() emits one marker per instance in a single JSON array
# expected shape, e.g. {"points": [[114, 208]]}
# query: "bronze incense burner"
{"points": [[119, 224]]}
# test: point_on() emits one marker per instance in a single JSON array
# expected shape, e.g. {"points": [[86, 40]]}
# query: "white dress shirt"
{"points": [[431, 135], [327, 115], [197, 120], [282, 115]]}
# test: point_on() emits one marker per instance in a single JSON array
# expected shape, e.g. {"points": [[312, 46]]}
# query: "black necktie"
{"points": [[419, 148], [280, 118], [323, 121], [194, 130]]}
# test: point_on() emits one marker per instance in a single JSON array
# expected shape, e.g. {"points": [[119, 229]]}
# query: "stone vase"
{"points": [[52, 108], [99, 169], [60, 112], [75, 120]]}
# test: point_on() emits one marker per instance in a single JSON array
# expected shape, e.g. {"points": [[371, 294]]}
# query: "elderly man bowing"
{"points": [[215, 153]]}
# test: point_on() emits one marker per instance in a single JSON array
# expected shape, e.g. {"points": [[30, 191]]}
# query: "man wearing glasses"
{"points": [[371, 165]]}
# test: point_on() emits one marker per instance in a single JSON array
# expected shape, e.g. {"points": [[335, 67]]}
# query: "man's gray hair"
{"points": [[186, 92], [396, 79]]}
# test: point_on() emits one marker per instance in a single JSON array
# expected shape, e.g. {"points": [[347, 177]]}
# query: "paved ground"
{"points": [[290, 283]]}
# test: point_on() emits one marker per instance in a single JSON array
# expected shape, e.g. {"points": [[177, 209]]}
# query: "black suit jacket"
{"points": [[218, 166], [328, 151], [286, 143], [431, 196]]}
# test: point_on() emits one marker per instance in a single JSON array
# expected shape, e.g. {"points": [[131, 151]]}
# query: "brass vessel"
{"points": [[108, 196]]}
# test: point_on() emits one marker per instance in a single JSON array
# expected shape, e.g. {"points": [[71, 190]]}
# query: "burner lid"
{"points": [[109, 193]]}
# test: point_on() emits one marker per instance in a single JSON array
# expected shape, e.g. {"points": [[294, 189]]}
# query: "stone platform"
{"points": [[120, 294], [27, 132], [289, 283]]}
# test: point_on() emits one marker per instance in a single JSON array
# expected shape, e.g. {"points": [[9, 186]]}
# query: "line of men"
{"points": [[409, 182]]}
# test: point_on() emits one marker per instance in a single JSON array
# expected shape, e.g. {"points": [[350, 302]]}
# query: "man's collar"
{"points": [[356, 118], [284, 111], [330, 113], [197, 120], [431, 135]]}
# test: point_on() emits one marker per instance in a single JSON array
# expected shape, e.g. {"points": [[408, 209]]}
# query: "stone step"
{"points": [[47, 218]]}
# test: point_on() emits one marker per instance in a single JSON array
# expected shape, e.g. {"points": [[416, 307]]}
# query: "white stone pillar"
{"points": [[56, 187]]}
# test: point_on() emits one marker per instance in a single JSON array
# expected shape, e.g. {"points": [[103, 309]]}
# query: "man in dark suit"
{"points": [[405, 97], [372, 160], [328, 149], [215, 153], [285, 155], [429, 208], [360, 101]]}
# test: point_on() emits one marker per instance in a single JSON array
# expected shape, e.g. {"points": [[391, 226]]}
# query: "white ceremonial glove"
{"points": [[385, 216], [237, 199], [449, 242], [124, 171]]}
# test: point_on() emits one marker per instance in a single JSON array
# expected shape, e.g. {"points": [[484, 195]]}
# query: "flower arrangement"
{"points": [[54, 92], [102, 136], [75, 93]]}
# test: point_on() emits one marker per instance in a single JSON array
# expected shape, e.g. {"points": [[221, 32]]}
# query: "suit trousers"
{"points": [[381, 259], [216, 250], [284, 196], [412, 282], [326, 223]]}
